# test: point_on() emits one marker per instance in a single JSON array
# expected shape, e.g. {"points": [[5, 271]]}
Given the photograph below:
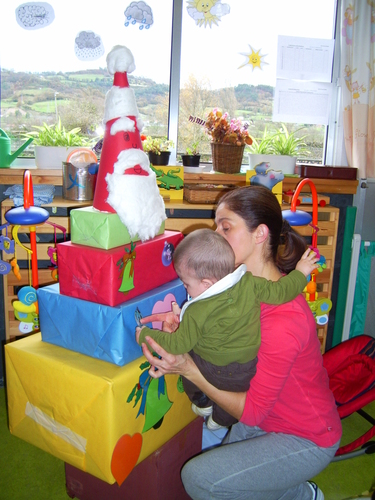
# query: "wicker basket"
{"points": [[226, 158], [205, 193]]}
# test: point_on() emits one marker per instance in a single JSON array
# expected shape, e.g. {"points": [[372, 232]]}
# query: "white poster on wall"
{"points": [[304, 58], [302, 102]]}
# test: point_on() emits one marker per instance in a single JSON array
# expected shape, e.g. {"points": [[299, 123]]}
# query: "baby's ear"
{"points": [[207, 282]]}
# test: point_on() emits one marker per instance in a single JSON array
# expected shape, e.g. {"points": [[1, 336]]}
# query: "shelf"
{"points": [[10, 176]]}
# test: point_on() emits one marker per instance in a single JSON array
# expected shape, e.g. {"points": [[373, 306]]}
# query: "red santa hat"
{"points": [[122, 123], [126, 184]]}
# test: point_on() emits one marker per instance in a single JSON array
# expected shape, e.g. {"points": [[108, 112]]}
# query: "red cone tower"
{"points": [[121, 121]]}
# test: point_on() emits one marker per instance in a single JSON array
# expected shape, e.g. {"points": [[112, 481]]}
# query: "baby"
{"points": [[220, 325]]}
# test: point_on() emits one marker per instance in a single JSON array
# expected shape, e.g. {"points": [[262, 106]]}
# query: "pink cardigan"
{"points": [[290, 392]]}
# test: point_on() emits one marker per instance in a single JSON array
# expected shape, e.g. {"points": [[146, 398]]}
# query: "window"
{"points": [[216, 69], [46, 75]]}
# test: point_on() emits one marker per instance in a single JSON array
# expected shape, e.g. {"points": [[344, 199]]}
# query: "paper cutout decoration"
{"points": [[153, 397], [139, 12], [170, 182], [207, 13], [255, 59], [88, 46], [167, 254], [126, 267], [34, 15], [125, 456], [163, 306]]}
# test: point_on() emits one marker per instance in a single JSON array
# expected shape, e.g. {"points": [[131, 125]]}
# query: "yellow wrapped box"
{"points": [[94, 415]]}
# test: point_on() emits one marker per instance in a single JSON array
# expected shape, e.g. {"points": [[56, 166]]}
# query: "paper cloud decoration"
{"points": [[34, 15], [88, 46]]}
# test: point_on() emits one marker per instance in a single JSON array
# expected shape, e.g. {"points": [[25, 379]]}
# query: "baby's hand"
{"points": [[308, 262], [138, 332]]}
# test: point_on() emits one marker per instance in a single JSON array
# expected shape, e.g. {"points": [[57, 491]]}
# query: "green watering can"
{"points": [[6, 158]]}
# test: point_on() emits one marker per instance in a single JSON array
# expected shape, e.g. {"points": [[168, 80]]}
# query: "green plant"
{"points": [[156, 144], [194, 149], [57, 135], [280, 142], [285, 143], [262, 146]]}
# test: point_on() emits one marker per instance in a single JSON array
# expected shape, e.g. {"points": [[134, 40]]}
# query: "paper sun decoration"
{"points": [[207, 13], [255, 59]]}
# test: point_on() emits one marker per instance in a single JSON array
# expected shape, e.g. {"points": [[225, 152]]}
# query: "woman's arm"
{"points": [[182, 364]]}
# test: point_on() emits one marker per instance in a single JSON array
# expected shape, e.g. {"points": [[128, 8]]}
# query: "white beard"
{"points": [[137, 202]]}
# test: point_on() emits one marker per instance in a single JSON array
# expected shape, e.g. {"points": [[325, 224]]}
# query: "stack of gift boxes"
{"points": [[80, 389]]}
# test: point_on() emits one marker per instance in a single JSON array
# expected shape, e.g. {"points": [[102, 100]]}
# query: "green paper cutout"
{"points": [[156, 406]]}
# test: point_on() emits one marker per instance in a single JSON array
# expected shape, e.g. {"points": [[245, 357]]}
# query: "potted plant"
{"points": [[53, 143], [228, 140], [192, 157], [157, 148], [279, 148]]}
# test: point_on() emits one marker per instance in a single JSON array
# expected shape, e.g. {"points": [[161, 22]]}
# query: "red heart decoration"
{"points": [[125, 456]]}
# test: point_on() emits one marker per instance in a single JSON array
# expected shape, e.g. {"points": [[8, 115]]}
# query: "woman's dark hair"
{"points": [[258, 205]]}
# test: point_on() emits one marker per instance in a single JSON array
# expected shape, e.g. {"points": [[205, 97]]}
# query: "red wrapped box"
{"points": [[111, 277]]}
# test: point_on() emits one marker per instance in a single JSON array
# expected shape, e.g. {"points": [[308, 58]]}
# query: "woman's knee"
{"points": [[188, 474], [192, 476]]}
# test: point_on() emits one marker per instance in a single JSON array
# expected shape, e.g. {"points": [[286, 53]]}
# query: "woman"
{"points": [[289, 428]]}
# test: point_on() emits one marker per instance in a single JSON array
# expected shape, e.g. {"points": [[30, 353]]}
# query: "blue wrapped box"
{"points": [[99, 331]]}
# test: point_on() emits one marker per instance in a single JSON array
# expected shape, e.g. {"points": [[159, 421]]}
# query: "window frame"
{"points": [[334, 151]]}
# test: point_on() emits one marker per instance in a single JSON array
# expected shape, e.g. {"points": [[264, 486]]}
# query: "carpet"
{"points": [[28, 473]]}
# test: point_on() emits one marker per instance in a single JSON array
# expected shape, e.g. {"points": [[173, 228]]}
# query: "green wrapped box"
{"points": [[99, 229]]}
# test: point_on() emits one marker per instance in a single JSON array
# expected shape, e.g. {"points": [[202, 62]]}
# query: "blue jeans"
{"points": [[255, 465]]}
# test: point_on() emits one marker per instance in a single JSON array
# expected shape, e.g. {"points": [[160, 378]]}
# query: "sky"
{"points": [[218, 53]]}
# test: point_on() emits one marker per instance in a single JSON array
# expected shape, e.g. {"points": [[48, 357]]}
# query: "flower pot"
{"points": [[284, 163], [51, 156], [190, 160], [162, 159], [226, 158]]}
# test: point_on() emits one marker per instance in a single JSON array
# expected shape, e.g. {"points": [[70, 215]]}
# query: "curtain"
{"points": [[362, 290], [358, 92]]}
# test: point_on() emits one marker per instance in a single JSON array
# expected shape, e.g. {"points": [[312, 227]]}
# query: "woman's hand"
{"points": [[180, 364]]}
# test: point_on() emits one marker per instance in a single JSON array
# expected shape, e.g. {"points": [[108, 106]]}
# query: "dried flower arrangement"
{"points": [[224, 130]]}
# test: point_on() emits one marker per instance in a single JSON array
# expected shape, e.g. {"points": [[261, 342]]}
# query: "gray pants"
{"points": [[255, 465]]}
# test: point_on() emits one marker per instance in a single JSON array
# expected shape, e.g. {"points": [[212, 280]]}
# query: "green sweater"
{"points": [[225, 327]]}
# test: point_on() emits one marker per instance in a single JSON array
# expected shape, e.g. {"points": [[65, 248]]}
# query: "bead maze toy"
{"points": [[26, 308], [319, 306]]}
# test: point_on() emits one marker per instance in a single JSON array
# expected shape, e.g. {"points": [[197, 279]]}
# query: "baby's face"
{"points": [[194, 286]]}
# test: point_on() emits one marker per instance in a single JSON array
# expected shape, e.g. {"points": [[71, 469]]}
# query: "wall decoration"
{"points": [[254, 59], [88, 46], [34, 15], [170, 182], [207, 13], [139, 12]]}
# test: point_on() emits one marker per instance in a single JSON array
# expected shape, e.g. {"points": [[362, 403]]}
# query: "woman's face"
{"points": [[233, 228]]}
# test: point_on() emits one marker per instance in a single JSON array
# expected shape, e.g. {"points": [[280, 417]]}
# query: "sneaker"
{"points": [[212, 425], [317, 492], [201, 412]]}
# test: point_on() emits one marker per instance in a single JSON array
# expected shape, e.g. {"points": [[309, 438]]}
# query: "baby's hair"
{"points": [[206, 253]]}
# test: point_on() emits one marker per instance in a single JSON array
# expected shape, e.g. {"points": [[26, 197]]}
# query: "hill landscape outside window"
{"points": [[47, 75]]}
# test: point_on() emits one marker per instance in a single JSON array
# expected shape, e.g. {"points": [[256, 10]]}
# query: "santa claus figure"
{"points": [[125, 183]]}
